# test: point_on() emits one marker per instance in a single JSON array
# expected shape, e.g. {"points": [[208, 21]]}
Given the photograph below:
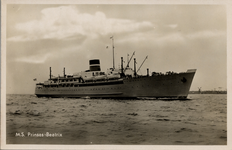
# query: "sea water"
{"points": [[200, 120]]}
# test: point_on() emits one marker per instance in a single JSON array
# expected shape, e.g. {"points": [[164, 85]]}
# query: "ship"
{"points": [[119, 83]]}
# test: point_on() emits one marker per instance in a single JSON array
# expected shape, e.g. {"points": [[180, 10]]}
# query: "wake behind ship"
{"points": [[121, 82]]}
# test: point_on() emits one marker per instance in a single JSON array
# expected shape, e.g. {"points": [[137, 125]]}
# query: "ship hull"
{"points": [[158, 86]]}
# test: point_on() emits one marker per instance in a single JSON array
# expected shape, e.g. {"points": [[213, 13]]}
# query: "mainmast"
{"points": [[113, 49]]}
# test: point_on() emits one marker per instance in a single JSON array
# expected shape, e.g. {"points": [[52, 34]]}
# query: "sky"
{"points": [[174, 37]]}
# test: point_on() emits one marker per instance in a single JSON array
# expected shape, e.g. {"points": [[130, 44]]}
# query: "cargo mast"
{"points": [[113, 49], [50, 75]]}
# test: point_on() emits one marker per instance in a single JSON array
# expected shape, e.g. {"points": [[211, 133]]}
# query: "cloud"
{"points": [[178, 37], [154, 38], [66, 21], [205, 34], [173, 26], [174, 36], [37, 59]]}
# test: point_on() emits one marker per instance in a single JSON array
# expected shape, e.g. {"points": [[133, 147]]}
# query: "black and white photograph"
{"points": [[114, 74]]}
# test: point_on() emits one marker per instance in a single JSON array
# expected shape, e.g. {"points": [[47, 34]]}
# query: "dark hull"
{"points": [[160, 86]]}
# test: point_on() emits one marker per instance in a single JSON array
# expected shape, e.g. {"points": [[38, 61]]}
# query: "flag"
{"points": [[34, 79]]}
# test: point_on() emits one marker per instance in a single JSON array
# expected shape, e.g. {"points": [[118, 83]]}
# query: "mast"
{"points": [[122, 65], [50, 73], [113, 49], [135, 66], [127, 59]]}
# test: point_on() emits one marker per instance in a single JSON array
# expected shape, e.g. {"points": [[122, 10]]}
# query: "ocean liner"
{"points": [[123, 82]]}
